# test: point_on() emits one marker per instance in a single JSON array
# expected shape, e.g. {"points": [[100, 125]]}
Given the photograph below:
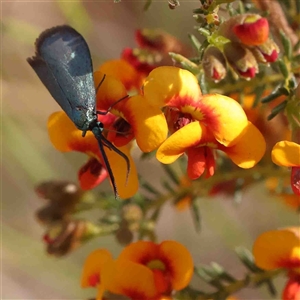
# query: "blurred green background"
{"points": [[28, 157]]}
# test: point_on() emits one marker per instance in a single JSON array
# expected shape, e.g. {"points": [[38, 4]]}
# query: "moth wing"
{"points": [[68, 57], [48, 79]]}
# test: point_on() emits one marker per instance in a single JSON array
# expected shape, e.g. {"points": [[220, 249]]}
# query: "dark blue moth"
{"points": [[63, 63]]}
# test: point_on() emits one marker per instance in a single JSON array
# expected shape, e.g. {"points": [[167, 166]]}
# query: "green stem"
{"points": [[250, 280]]}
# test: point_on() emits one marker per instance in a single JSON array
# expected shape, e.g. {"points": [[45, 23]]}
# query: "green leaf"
{"points": [[171, 173], [287, 45], [283, 69], [247, 259], [196, 215], [195, 42]]}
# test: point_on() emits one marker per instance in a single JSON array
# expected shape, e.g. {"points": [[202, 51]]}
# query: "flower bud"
{"points": [[132, 214], [248, 29], [57, 190], [91, 174], [241, 60], [62, 238], [254, 30], [62, 198], [214, 64], [159, 40], [124, 235], [266, 52]]}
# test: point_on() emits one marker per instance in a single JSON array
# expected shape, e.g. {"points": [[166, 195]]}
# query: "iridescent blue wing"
{"points": [[48, 79], [67, 57]]}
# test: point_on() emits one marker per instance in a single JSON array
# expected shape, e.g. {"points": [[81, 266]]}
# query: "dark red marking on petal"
{"points": [[94, 280]]}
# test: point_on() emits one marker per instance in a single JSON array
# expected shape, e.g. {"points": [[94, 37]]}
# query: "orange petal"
{"points": [[286, 154], [110, 91], [66, 137], [123, 71], [175, 145], [180, 263], [140, 252], [175, 259], [166, 84], [93, 266], [148, 123], [224, 117], [129, 279], [249, 150], [119, 169], [278, 249], [291, 200]]}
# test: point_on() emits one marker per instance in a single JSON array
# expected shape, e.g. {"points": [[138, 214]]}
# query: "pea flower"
{"points": [[143, 270], [136, 118], [200, 124], [66, 137], [125, 72], [281, 249], [287, 154]]}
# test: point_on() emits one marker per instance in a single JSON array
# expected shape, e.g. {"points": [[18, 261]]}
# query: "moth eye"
{"points": [[78, 108]]}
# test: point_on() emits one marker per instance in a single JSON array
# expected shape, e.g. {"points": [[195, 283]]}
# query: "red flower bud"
{"points": [[241, 59], [214, 64], [266, 52], [253, 31]]}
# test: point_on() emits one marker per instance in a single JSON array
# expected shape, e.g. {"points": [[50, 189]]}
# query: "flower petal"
{"points": [[278, 249], [148, 123], [224, 117], [165, 84], [66, 137], [123, 71], [249, 150], [286, 154], [140, 252], [119, 169], [199, 160], [175, 145], [130, 279], [92, 267], [109, 92], [91, 174], [179, 263]]}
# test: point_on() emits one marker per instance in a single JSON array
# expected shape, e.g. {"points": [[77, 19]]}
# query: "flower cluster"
{"points": [[198, 125], [281, 249], [142, 271], [242, 41], [201, 124]]}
